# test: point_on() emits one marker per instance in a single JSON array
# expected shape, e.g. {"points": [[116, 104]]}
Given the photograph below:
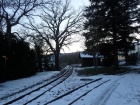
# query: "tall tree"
{"points": [[12, 11], [18, 60], [59, 23], [115, 20], [121, 15], [94, 26], [38, 44]]}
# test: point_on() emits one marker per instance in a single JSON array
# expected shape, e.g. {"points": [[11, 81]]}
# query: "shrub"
{"points": [[132, 59], [108, 61], [20, 59]]}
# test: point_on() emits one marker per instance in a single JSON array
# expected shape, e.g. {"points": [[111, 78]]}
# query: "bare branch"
{"points": [[12, 11], [58, 23]]}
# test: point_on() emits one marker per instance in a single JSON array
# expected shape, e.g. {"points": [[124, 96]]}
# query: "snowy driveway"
{"points": [[119, 90], [127, 92]]}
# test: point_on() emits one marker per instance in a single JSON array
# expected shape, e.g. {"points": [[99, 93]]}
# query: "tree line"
{"points": [[16, 60], [30, 29], [110, 25]]}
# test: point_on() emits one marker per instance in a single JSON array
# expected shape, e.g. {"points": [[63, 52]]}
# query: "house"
{"points": [[51, 61], [88, 60], [135, 51]]}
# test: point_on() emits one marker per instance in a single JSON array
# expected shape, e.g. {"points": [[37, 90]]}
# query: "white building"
{"points": [[136, 50]]}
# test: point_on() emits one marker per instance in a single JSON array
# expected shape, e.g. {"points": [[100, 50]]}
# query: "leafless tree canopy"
{"points": [[55, 21], [59, 21], [11, 11]]}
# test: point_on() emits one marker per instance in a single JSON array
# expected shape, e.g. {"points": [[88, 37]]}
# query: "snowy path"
{"points": [[128, 92], [37, 91], [119, 90], [11, 87], [104, 96]]}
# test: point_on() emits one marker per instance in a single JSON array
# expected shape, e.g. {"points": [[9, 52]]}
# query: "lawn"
{"points": [[102, 70]]}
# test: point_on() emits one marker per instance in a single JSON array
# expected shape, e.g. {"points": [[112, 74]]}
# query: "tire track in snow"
{"points": [[104, 96], [58, 80], [71, 91], [88, 92]]}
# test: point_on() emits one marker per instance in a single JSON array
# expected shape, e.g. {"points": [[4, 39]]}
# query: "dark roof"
{"points": [[85, 55]]}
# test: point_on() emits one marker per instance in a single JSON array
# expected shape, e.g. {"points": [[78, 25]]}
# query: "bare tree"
{"points": [[36, 42], [59, 23], [12, 11]]}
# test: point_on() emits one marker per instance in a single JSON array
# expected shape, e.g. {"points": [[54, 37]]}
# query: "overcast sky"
{"points": [[79, 3], [77, 46]]}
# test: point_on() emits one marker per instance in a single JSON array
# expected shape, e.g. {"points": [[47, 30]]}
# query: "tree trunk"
{"points": [[115, 50], [8, 28], [40, 62], [57, 60], [125, 51], [39, 57], [8, 34], [57, 52], [126, 55], [116, 66]]}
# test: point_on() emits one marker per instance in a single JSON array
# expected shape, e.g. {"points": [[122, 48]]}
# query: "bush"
{"points": [[132, 59], [20, 59], [108, 61]]}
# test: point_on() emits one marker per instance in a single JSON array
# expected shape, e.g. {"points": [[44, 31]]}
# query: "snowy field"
{"points": [[119, 90], [17, 85]]}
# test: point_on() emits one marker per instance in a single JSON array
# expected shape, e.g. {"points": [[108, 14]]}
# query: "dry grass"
{"points": [[102, 70]]}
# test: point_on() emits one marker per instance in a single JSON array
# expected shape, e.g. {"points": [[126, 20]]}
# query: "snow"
{"points": [[83, 55], [17, 85], [117, 90], [130, 87]]}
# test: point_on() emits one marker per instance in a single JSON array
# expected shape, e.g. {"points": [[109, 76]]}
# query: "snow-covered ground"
{"points": [[20, 84], [119, 90]]}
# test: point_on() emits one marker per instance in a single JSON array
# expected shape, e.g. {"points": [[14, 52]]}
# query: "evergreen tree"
{"points": [[111, 21], [3, 56], [21, 59], [94, 30], [39, 53], [121, 14], [16, 60]]}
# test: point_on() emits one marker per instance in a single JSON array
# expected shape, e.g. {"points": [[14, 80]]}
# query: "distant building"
{"points": [[88, 60], [135, 51], [51, 60]]}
